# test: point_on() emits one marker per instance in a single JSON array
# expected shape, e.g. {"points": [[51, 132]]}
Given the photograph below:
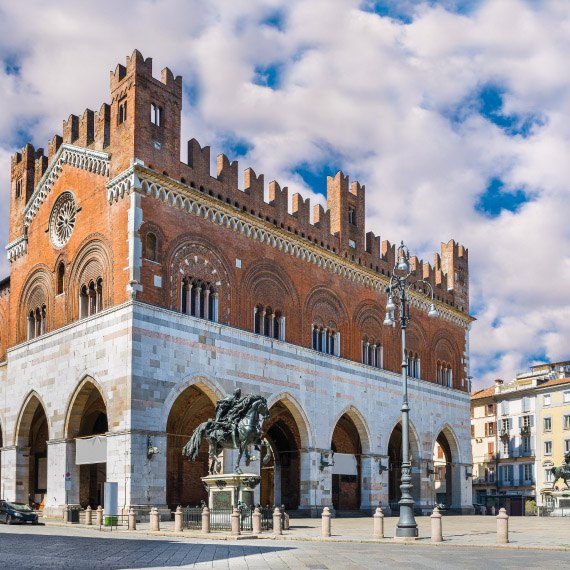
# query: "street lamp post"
{"points": [[398, 298]]}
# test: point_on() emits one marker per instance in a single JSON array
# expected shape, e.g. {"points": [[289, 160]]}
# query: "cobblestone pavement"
{"points": [[51, 546]]}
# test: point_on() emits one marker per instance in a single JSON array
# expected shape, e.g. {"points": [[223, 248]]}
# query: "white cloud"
{"points": [[368, 95]]}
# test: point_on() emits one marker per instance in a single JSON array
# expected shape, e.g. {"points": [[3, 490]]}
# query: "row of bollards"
{"points": [[436, 526], [378, 518]]}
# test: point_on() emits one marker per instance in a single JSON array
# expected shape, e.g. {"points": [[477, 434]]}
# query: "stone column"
{"points": [[262, 322], [8, 472], [189, 286], [215, 316], [207, 303], [61, 460], [316, 483], [142, 481], [374, 484], [197, 292]]}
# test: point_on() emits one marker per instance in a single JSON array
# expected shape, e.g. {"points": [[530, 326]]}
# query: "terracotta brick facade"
{"points": [[147, 230]]}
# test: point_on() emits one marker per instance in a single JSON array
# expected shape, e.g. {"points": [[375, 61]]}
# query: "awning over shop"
{"points": [[91, 450]]}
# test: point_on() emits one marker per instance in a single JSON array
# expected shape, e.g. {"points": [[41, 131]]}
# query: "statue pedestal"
{"points": [[231, 489], [561, 503]]}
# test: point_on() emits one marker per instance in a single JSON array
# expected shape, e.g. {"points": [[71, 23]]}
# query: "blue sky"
{"points": [[455, 114]]}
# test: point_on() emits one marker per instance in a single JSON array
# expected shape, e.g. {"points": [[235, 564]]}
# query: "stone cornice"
{"points": [[83, 158], [145, 181], [17, 248]]}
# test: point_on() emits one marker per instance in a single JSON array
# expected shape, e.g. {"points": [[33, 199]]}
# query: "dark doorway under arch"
{"points": [[346, 482], [443, 471], [281, 476], [183, 484]]}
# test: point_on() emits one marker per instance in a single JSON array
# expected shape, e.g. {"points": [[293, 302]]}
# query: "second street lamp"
{"points": [[398, 300]]}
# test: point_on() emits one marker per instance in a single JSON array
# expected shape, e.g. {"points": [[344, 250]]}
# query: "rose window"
{"points": [[62, 221]]}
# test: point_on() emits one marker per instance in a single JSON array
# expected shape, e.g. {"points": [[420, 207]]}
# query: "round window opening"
{"points": [[62, 219]]}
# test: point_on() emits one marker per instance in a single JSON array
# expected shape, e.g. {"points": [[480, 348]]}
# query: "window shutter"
{"points": [[532, 444], [520, 422], [531, 421], [521, 472]]}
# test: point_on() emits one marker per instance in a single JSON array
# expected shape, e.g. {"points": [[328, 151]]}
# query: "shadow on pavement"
{"points": [[23, 551]]}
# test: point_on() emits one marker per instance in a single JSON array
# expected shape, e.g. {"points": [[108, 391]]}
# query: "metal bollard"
{"points": [[99, 516], [206, 520], [256, 520], [436, 532], [89, 515], [154, 519], [326, 523], [277, 529], [178, 519], [132, 519], [502, 527], [236, 530], [378, 523]]}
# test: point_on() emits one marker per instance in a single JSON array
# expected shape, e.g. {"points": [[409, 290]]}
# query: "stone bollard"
{"points": [[236, 530], [89, 515], [256, 520], [326, 523], [286, 521], [277, 528], [99, 516], [154, 519], [206, 520], [436, 532], [132, 519], [378, 523], [502, 527], [65, 513], [178, 519]]}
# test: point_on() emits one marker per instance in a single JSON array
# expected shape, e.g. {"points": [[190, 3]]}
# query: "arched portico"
{"points": [[281, 476], [86, 424], [447, 469], [32, 434], [191, 407], [395, 465]]}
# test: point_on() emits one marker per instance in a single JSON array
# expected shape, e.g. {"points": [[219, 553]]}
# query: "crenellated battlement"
{"points": [[124, 129]]}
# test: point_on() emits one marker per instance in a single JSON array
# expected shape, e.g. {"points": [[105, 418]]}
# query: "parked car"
{"points": [[11, 513]]}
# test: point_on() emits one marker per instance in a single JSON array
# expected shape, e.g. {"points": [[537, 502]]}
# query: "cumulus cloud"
{"points": [[392, 93]]}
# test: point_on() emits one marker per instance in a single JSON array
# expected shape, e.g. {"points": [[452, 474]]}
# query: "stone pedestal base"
{"points": [[226, 491]]}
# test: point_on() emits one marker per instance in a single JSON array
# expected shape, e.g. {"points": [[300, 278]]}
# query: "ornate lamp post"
{"points": [[398, 299]]}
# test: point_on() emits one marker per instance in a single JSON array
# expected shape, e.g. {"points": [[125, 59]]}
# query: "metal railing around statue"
{"points": [[220, 519]]}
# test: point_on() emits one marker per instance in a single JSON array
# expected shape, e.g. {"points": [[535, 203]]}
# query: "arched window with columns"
{"points": [[91, 298], [413, 360], [326, 339], [200, 299], [268, 322], [372, 352]]}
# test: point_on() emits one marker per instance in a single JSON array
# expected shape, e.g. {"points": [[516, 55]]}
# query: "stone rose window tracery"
{"points": [[62, 220]]}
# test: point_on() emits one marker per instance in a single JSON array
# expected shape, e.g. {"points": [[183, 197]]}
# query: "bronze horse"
{"points": [[242, 434], [563, 472]]}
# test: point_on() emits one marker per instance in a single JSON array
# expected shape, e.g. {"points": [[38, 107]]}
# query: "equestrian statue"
{"points": [[238, 425], [563, 472]]}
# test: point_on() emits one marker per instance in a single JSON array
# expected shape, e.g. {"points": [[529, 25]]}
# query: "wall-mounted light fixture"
{"points": [[327, 459], [150, 449]]}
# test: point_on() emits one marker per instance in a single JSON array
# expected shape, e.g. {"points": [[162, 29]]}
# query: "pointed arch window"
{"points": [[37, 322], [91, 298], [151, 247], [413, 360]]}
